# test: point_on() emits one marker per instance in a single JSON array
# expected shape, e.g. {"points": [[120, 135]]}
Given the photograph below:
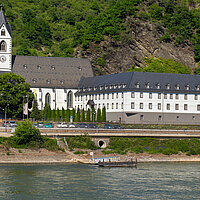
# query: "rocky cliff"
{"points": [[140, 40]]}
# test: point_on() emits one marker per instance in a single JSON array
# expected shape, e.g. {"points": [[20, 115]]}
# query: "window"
{"points": [[116, 95], [99, 97], [195, 97], [3, 46], [198, 87], [193, 117], [177, 97], [198, 107], [177, 87], [187, 87], [132, 105], [3, 32], [86, 97], [107, 96], [112, 95], [70, 99], [48, 81], [150, 95], [141, 105], [141, 94], [99, 105], [185, 106], [78, 98], [171, 96], [132, 94], [112, 105], [116, 105], [150, 106], [185, 97], [168, 86], [159, 106], [107, 106], [53, 67], [103, 96], [95, 96], [158, 86], [81, 98], [165, 96], [141, 117], [176, 106], [168, 106], [137, 85], [122, 95], [159, 95], [122, 105], [48, 99], [147, 85]]}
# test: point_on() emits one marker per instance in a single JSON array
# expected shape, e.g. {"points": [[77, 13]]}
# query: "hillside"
{"points": [[115, 35]]}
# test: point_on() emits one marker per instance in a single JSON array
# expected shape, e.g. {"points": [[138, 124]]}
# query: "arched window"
{"points": [[48, 99], [3, 46], [70, 99], [3, 32]]}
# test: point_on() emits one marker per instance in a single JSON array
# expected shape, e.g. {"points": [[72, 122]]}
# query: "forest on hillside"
{"points": [[59, 27]]}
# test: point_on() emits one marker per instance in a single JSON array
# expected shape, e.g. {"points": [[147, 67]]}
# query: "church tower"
{"points": [[5, 43]]}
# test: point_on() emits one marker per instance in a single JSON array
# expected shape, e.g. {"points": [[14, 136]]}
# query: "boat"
{"points": [[118, 163]]}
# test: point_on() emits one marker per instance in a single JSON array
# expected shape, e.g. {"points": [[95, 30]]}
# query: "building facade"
{"points": [[142, 97]]}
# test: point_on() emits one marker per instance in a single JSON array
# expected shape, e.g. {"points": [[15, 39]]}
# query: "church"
{"points": [[53, 80], [132, 97]]}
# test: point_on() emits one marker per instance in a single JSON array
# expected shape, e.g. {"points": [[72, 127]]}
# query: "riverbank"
{"points": [[43, 156]]}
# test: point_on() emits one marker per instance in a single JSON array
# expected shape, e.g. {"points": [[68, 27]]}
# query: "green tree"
{"points": [[13, 89], [25, 133], [78, 115], [58, 117], [36, 113], [98, 115], [93, 114], [104, 114], [68, 115], [63, 114], [160, 65], [49, 113], [83, 115], [88, 115]]}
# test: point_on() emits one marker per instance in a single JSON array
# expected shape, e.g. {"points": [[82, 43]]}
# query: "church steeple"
{"points": [[5, 43]]}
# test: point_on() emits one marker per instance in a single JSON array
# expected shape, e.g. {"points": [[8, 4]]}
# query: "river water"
{"points": [[76, 181]]}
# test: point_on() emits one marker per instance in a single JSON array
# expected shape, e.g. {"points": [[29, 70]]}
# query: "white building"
{"points": [[142, 97]]}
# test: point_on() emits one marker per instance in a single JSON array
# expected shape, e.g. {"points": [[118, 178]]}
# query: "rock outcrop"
{"points": [[140, 40]]}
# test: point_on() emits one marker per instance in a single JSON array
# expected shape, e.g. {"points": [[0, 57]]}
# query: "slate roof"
{"points": [[4, 21], [146, 81], [52, 72]]}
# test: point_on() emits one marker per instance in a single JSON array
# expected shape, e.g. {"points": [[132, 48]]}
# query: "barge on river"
{"points": [[118, 164]]}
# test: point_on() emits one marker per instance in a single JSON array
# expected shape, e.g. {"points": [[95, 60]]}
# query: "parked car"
{"points": [[36, 125], [71, 125], [48, 125], [81, 125], [11, 124], [40, 125], [117, 126], [62, 125], [108, 126], [92, 126]]}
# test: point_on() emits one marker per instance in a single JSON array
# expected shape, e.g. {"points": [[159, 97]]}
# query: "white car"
{"points": [[71, 125], [62, 125]]}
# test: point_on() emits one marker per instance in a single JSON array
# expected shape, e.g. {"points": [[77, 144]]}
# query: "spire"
{"points": [[3, 20]]}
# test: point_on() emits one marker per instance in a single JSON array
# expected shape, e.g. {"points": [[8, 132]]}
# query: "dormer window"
{"points": [[89, 89], [62, 82], [111, 86], [168, 86], [119, 86], [95, 88], [177, 87], [187, 87], [137, 85], [198, 87], [79, 68], [3, 46], [48, 81], [3, 32], [115, 86], [106, 87], [84, 89], [25, 66], [158, 85], [53, 67], [148, 85], [38, 67], [101, 87], [124, 85], [34, 80]]}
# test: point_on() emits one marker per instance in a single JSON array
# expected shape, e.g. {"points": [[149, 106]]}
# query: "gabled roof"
{"points": [[52, 72], [4, 21], [141, 81]]}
